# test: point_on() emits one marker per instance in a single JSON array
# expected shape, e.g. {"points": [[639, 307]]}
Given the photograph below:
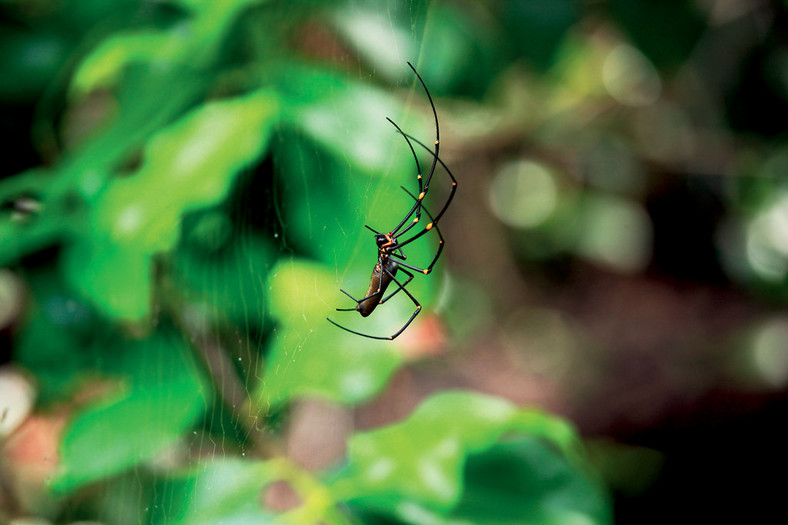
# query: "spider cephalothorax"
{"points": [[384, 242]]}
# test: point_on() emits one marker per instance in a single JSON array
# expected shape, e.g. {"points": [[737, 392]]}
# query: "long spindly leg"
{"points": [[437, 229], [434, 220], [357, 333], [410, 278], [435, 158], [400, 286], [445, 167], [423, 188], [417, 207], [410, 295]]}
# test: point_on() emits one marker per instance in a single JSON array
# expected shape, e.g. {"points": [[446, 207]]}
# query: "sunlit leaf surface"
{"points": [[310, 356], [439, 461], [189, 165]]}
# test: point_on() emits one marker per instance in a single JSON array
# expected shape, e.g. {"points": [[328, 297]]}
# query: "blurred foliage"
{"points": [[185, 187]]}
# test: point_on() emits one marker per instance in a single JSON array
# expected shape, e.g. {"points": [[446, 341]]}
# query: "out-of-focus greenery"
{"points": [[185, 186]]}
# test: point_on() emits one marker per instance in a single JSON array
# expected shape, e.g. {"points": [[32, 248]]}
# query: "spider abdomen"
{"points": [[382, 276]]}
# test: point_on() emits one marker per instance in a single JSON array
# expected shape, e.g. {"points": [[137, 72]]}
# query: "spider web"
{"points": [[309, 201]]}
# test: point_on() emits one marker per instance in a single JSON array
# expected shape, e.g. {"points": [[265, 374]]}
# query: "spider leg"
{"points": [[354, 300], [357, 333], [437, 229], [435, 158], [410, 278], [417, 207], [410, 295], [434, 220], [425, 187]]}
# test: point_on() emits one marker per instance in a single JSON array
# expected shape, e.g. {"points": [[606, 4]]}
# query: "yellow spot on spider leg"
{"points": [[425, 272], [429, 226], [416, 219], [421, 195], [437, 142]]}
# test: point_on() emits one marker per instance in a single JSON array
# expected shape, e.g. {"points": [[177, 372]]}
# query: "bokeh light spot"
{"points": [[523, 194], [767, 242], [770, 352], [630, 78], [616, 233]]}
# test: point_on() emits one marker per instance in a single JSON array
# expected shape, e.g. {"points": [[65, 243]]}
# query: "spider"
{"points": [[391, 258]]}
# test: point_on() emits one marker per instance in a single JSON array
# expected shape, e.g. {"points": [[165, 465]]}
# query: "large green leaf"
{"points": [[347, 118], [192, 42], [309, 356], [102, 68], [418, 467], [186, 166], [189, 165], [161, 394], [528, 482]]}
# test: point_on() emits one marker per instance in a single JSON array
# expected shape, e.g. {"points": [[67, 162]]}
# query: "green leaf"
{"points": [[189, 165], [462, 53], [117, 277], [162, 394], [528, 482], [418, 465], [311, 357], [192, 42], [102, 68], [348, 119]]}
